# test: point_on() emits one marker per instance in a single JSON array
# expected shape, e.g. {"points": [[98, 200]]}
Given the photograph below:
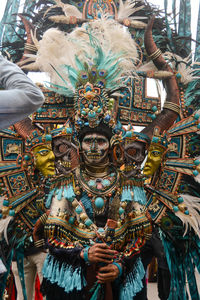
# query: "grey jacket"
{"points": [[20, 96]]}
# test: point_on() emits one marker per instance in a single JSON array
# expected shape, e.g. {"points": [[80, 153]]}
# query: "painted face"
{"points": [[95, 148], [154, 158], [134, 154], [45, 158]]}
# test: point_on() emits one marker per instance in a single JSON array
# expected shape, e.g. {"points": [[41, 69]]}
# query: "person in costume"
{"points": [[20, 96]]}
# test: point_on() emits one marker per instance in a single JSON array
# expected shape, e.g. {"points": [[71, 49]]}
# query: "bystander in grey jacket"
{"points": [[19, 96]]}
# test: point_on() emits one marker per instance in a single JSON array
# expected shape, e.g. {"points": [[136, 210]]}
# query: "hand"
{"points": [[108, 273], [100, 253]]}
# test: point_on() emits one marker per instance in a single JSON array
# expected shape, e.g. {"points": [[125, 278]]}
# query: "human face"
{"points": [[134, 154], [154, 158], [44, 158], [95, 148]]}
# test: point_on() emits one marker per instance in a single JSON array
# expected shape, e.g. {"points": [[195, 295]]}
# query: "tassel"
{"points": [[133, 283], [69, 193], [62, 274], [59, 194], [139, 195], [126, 194], [49, 198]]}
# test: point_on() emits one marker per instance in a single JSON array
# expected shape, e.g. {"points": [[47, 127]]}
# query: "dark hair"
{"points": [[102, 128]]}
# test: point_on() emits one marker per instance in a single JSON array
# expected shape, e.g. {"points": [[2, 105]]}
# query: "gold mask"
{"points": [[154, 158], [44, 158]]}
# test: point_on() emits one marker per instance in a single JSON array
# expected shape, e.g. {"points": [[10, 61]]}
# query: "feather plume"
{"points": [[4, 226], [184, 66], [95, 43], [69, 10], [193, 219], [127, 8]]}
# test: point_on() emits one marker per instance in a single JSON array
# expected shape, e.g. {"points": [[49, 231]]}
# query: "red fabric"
{"points": [[38, 295]]}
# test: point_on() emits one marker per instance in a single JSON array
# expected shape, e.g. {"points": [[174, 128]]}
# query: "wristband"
{"points": [[119, 268], [85, 254]]}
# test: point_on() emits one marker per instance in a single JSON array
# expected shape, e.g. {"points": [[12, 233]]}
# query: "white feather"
{"points": [[127, 8], [69, 10], [193, 219], [184, 66], [57, 48], [4, 226]]}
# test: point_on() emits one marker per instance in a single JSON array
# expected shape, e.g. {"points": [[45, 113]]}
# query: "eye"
{"points": [[43, 152], [131, 151], [62, 148], [87, 140], [156, 153], [101, 141]]}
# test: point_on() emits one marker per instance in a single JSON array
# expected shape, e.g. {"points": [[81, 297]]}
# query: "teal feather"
{"points": [[79, 64], [191, 277], [197, 48], [65, 82], [184, 28]]}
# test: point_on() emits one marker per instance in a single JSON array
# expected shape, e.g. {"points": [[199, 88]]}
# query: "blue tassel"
{"points": [[59, 194], [133, 283], [139, 195], [62, 274], [69, 193], [46, 266], [126, 194], [49, 198]]}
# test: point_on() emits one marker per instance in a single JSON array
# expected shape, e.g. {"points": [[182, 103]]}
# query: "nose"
{"points": [[94, 145], [51, 155]]}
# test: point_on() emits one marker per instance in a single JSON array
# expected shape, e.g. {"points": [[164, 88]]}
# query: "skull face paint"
{"points": [[95, 148], [134, 154], [44, 158], [63, 151]]}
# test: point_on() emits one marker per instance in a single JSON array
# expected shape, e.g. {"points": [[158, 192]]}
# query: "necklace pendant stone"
{"points": [[99, 203]]}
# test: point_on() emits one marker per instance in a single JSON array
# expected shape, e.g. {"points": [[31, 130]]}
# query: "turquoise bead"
{"points": [[198, 126], [99, 110], [71, 220], [5, 203], [178, 75], [92, 114], [195, 173], [106, 182], [153, 116], [99, 202], [91, 183], [154, 108], [121, 211], [88, 88], [155, 139], [26, 157], [186, 212], [83, 112], [175, 208], [180, 199], [196, 162], [1, 216], [79, 209], [11, 212], [196, 116], [88, 222], [48, 137]]}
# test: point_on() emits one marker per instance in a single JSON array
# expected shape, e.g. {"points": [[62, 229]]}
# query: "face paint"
{"points": [[134, 154], [153, 160], [45, 158], [95, 148]]}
